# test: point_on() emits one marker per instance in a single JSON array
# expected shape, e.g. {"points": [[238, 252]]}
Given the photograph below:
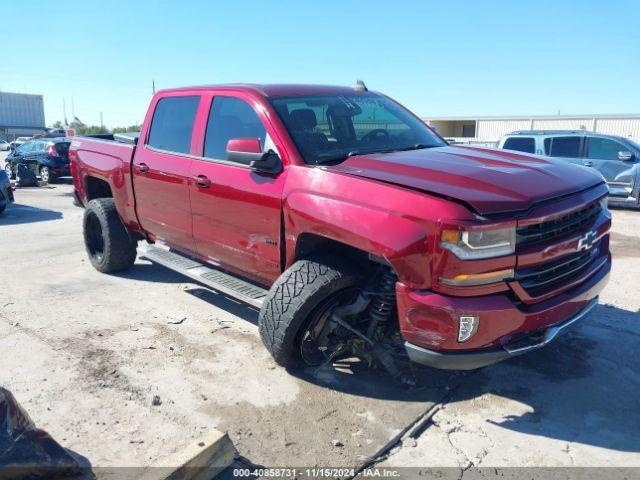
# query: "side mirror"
{"points": [[625, 156], [248, 152]]}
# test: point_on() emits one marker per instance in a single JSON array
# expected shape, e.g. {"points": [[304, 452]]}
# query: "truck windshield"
{"points": [[329, 129]]}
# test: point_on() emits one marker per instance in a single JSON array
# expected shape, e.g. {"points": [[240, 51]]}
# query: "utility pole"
{"points": [[101, 124], [153, 86], [64, 112]]}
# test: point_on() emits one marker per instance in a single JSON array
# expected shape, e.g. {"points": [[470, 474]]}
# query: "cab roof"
{"points": [[273, 90]]}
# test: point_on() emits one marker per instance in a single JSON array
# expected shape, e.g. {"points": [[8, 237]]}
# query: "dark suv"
{"points": [[48, 157], [616, 158]]}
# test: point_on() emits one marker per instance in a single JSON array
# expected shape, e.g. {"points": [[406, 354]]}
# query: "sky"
{"points": [[461, 58]]}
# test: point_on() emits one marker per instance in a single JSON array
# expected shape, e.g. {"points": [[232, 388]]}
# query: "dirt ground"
{"points": [[85, 354]]}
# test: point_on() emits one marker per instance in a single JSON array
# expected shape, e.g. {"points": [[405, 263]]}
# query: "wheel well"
{"points": [[309, 243], [97, 188]]}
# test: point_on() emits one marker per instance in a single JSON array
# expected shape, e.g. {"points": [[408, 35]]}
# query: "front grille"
{"points": [[559, 227], [543, 278]]}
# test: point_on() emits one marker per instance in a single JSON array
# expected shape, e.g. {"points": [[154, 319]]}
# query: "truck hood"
{"points": [[487, 179]]}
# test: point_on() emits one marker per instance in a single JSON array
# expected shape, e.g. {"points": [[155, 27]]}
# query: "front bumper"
{"points": [[473, 360], [429, 322]]}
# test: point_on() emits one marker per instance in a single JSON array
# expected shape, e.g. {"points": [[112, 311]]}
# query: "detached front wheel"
{"points": [[108, 244], [298, 304]]}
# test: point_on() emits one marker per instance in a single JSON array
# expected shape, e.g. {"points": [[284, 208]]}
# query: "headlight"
{"points": [[469, 245]]}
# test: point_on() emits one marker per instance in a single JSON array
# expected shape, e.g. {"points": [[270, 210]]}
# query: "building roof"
{"points": [[534, 117]]}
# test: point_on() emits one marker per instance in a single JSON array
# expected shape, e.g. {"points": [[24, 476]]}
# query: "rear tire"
{"points": [[45, 174], [300, 291], [107, 241]]}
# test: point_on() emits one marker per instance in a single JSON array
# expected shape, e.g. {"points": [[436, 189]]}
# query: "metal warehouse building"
{"points": [[489, 130], [21, 114]]}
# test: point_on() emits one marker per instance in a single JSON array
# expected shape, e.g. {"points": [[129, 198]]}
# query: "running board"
{"points": [[210, 276]]}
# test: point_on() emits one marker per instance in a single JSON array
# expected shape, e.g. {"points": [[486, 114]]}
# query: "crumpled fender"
{"points": [[399, 240]]}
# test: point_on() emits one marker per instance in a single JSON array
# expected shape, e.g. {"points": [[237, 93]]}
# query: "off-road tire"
{"points": [[118, 247], [290, 304]]}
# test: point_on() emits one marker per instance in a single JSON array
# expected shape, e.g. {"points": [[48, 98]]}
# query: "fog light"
{"points": [[468, 327]]}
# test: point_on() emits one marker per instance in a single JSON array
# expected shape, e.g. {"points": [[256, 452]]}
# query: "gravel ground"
{"points": [[85, 354]]}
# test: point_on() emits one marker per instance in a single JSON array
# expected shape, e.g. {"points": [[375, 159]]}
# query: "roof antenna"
{"points": [[360, 86]]}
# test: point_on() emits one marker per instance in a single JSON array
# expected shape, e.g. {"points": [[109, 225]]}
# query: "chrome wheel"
{"points": [[44, 174]]}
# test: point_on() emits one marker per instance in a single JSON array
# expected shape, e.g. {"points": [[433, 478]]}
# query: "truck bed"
{"points": [[105, 158]]}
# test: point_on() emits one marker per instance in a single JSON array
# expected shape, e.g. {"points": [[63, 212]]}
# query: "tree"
{"points": [[132, 128], [82, 129]]}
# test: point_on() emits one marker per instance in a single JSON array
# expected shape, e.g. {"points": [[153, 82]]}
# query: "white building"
{"points": [[489, 130], [21, 114]]}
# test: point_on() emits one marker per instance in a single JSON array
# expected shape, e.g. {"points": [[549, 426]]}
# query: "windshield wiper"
{"points": [[417, 146], [353, 153]]}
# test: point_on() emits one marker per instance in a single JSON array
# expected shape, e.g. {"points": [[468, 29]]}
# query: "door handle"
{"points": [[587, 163], [202, 181], [143, 168]]}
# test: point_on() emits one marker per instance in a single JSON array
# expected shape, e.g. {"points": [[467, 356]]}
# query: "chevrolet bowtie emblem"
{"points": [[587, 241]]}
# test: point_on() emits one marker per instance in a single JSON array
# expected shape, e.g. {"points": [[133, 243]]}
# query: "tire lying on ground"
{"points": [[107, 241], [293, 299]]}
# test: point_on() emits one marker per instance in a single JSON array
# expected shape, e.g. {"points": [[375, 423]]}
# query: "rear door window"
{"points": [[172, 124], [520, 144], [25, 147], [230, 118], [568, 147], [603, 148]]}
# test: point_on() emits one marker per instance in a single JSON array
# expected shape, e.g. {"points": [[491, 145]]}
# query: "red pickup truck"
{"points": [[351, 224]]}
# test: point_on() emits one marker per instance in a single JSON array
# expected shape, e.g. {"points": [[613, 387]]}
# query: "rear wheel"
{"points": [[107, 241], [46, 175], [299, 304]]}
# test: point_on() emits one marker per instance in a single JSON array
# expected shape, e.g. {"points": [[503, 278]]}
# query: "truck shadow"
{"points": [[17, 214], [224, 302], [582, 388], [152, 272]]}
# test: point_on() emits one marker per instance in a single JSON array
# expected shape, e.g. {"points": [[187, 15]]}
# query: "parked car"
{"points": [[616, 158], [47, 157], [4, 145], [6, 193], [52, 133], [17, 142], [350, 234]]}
